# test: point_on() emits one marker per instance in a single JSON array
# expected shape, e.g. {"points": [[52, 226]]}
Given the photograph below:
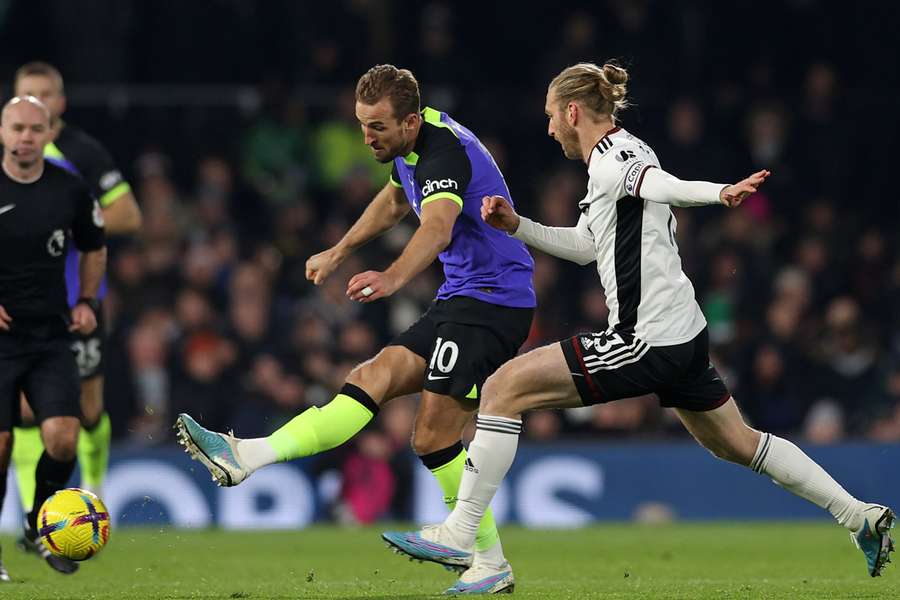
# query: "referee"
{"points": [[42, 209], [76, 151]]}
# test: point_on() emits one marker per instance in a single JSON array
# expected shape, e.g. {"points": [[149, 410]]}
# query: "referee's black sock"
{"points": [[50, 476]]}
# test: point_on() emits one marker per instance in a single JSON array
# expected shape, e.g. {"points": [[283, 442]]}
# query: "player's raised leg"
{"points": [[538, 379], [723, 432], [395, 371]]}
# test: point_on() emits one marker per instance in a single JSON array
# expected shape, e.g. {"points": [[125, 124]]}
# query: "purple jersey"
{"points": [[480, 262]]}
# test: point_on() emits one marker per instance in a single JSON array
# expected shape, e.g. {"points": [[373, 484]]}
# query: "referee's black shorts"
{"points": [[610, 366], [38, 361], [463, 341]]}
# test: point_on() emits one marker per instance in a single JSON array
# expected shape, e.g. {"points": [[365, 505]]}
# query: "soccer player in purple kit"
{"points": [[480, 318]]}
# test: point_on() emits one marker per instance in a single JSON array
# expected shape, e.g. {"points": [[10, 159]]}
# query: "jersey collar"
{"points": [[604, 143], [428, 115]]}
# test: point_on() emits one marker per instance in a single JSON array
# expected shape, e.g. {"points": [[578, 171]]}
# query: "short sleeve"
{"points": [[100, 172], [445, 175], [619, 173], [87, 228]]}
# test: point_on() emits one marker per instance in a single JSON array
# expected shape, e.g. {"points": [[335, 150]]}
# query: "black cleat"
{"points": [[30, 544]]}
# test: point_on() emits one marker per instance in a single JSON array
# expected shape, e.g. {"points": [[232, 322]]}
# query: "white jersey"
{"points": [[632, 238]]}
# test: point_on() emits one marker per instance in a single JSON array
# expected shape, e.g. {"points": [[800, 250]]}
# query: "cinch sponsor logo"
{"points": [[632, 176], [438, 184]]}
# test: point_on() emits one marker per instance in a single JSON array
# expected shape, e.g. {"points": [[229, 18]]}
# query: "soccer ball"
{"points": [[74, 523]]}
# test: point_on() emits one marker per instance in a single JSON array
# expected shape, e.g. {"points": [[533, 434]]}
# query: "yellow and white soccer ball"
{"points": [[74, 523]]}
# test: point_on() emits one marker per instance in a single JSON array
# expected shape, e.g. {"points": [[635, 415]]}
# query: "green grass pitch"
{"points": [[694, 560]]}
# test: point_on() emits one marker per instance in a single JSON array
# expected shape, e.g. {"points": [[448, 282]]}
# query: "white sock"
{"points": [[489, 457], [256, 453], [792, 469], [493, 556]]}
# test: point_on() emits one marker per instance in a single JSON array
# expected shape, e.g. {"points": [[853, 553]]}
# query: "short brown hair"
{"points": [[37, 67], [399, 85], [601, 89]]}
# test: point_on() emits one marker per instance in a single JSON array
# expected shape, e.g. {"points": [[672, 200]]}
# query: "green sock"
{"points": [[26, 452], [318, 429], [448, 476], [93, 453]]}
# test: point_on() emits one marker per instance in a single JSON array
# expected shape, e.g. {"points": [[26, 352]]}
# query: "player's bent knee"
{"points": [[503, 391], [373, 378], [387, 375], [724, 451], [60, 437]]}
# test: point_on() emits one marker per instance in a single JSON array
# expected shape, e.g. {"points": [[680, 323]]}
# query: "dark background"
{"points": [[234, 122]]}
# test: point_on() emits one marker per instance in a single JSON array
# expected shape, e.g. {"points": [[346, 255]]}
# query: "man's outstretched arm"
{"points": [[656, 185], [569, 243]]}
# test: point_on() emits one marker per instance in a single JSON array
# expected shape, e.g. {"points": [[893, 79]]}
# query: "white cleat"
{"points": [[484, 578], [874, 537], [432, 543]]}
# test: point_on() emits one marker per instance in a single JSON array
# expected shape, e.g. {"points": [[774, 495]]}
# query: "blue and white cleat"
{"points": [[484, 579], [874, 537], [432, 544], [215, 451]]}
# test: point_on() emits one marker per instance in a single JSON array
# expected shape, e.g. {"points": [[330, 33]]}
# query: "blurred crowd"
{"points": [[210, 312]]}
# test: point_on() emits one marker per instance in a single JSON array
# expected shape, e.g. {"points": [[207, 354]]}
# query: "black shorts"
{"points": [[43, 367], [88, 349], [609, 366], [463, 341]]}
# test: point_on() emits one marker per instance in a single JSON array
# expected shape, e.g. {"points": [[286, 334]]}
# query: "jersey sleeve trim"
{"points": [[440, 195], [637, 188], [114, 194], [394, 182]]}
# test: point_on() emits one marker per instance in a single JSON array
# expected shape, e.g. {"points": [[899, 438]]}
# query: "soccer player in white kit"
{"points": [[657, 338]]}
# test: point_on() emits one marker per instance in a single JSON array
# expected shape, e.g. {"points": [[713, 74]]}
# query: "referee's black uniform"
{"points": [[37, 222]]}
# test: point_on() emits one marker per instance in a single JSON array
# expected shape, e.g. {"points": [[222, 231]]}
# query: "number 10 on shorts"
{"points": [[445, 355]]}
